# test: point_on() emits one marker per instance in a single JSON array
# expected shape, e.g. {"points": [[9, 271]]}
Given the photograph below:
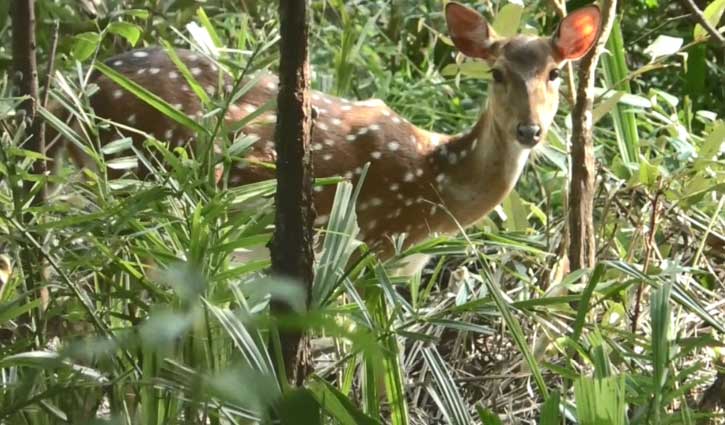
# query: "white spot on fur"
{"points": [[396, 120], [317, 147], [376, 202], [195, 71], [173, 75], [418, 172], [327, 156], [435, 139], [117, 94], [154, 71], [141, 71], [117, 63], [336, 121], [329, 142], [132, 119], [321, 219], [375, 154], [394, 187], [409, 177], [393, 146], [140, 54]]}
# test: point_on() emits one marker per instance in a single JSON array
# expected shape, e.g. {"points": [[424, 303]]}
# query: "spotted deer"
{"points": [[419, 182]]}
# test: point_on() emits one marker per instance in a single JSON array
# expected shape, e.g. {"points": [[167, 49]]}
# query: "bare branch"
{"points": [[700, 18]]}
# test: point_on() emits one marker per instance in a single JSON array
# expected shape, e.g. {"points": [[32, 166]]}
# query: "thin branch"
{"points": [[700, 18]]}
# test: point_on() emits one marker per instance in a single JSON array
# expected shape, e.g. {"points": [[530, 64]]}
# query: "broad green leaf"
{"points": [[508, 20], [516, 213], [664, 45], [475, 69], [126, 30], [713, 142], [713, 12], [337, 405], [605, 106], [85, 44]]}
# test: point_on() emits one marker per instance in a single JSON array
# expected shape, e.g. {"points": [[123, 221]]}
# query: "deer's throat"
{"points": [[486, 166]]}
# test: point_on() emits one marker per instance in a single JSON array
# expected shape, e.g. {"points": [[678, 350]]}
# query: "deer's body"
{"points": [[418, 182]]}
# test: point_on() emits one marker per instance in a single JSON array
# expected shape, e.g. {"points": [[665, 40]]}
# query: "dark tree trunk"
{"points": [[582, 249], [291, 247], [25, 77]]}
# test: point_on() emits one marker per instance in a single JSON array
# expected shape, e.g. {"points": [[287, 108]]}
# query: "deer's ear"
{"points": [[577, 33], [469, 31]]}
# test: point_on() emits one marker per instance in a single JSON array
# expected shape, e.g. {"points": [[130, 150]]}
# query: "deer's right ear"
{"points": [[469, 31]]}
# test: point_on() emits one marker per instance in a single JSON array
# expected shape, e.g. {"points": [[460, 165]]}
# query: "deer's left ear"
{"points": [[577, 33], [470, 32]]}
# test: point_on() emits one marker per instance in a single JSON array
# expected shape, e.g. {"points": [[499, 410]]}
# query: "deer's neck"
{"points": [[478, 169]]}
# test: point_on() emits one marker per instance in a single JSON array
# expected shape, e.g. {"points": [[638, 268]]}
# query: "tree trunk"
{"points": [[582, 249], [291, 247], [22, 15]]}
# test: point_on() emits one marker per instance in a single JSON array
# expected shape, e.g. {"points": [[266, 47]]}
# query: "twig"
{"points": [[648, 255], [700, 18]]}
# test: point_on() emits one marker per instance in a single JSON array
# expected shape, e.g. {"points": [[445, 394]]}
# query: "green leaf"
{"points": [[337, 405], [117, 146], [713, 142], [604, 107], [487, 416], [600, 401], [204, 19], [713, 12], [664, 45], [550, 414], [696, 75], [300, 407], [516, 213], [508, 20], [126, 30], [475, 69], [85, 44], [150, 98]]}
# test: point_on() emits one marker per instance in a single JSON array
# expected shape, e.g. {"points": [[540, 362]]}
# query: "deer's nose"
{"points": [[528, 134]]}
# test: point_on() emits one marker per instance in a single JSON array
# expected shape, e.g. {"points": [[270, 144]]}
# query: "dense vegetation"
{"points": [[152, 319]]}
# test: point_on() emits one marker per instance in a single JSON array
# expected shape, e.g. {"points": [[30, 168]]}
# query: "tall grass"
{"points": [[154, 319]]}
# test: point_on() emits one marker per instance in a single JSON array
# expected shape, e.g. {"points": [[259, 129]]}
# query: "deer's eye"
{"points": [[554, 74], [497, 75]]}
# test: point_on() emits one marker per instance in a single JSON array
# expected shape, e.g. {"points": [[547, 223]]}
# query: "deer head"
{"points": [[524, 94]]}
